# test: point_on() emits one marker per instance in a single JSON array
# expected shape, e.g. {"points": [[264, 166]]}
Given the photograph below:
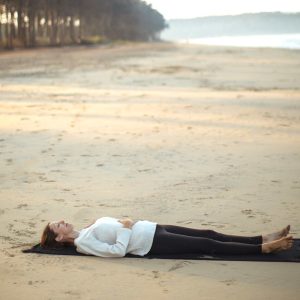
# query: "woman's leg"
{"points": [[211, 234], [166, 242]]}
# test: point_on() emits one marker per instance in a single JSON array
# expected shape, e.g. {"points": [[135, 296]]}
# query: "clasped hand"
{"points": [[127, 223]]}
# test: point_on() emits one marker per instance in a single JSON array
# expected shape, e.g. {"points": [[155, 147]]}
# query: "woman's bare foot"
{"points": [[276, 235], [279, 245]]}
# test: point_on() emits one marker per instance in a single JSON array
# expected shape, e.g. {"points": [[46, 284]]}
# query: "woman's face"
{"points": [[61, 228]]}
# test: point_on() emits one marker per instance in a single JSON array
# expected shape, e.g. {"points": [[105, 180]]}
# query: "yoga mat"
{"points": [[291, 255]]}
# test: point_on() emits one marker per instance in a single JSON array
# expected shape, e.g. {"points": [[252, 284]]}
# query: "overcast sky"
{"points": [[197, 8]]}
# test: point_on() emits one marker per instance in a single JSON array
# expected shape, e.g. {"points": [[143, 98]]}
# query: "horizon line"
{"points": [[233, 15]]}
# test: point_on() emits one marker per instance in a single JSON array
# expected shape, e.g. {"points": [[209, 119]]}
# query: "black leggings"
{"points": [[170, 239]]}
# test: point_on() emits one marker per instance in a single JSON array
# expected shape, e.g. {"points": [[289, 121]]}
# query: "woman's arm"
{"points": [[93, 246], [127, 223]]}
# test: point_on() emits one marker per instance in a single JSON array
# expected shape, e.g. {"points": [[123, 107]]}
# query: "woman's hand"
{"points": [[127, 223]]}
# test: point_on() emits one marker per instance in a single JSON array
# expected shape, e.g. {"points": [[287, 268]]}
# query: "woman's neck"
{"points": [[71, 237]]}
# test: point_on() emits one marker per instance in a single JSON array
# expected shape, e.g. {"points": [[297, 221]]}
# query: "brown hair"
{"points": [[48, 238]]}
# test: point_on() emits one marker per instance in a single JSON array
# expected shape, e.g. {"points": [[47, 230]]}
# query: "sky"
{"points": [[182, 9]]}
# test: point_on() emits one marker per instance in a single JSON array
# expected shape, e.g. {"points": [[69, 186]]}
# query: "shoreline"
{"points": [[146, 45], [264, 41]]}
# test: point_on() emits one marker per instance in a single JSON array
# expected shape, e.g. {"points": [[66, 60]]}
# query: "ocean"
{"points": [[287, 41]]}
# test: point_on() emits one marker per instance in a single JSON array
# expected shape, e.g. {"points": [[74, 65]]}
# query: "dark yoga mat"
{"points": [[291, 255]]}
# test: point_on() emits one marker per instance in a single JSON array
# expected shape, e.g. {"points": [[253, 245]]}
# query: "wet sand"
{"points": [[198, 136]]}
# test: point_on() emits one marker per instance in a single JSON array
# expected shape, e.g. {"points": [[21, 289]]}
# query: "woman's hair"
{"points": [[48, 238]]}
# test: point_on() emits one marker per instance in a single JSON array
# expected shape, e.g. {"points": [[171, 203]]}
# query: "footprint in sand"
{"points": [[22, 206], [73, 293], [6, 238], [56, 171], [30, 282], [184, 222], [179, 265], [144, 170], [31, 224], [156, 274], [229, 281], [59, 200], [9, 161], [248, 212], [24, 233], [275, 181]]}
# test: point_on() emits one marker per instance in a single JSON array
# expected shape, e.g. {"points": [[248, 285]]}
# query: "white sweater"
{"points": [[108, 238]]}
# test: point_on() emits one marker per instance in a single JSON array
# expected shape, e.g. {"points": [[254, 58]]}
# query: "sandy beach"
{"points": [[198, 136]]}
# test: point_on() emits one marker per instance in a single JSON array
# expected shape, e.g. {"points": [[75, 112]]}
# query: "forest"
{"points": [[33, 23]]}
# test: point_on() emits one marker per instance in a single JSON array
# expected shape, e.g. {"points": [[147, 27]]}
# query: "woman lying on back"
{"points": [[111, 237]]}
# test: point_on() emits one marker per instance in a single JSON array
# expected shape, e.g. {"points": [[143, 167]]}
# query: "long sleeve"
{"points": [[95, 247]]}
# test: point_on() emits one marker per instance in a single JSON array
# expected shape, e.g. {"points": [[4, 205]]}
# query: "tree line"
{"points": [[31, 23]]}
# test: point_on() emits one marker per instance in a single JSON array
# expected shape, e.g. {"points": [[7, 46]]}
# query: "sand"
{"points": [[198, 136]]}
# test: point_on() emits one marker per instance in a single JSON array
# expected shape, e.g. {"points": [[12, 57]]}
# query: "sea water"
{"points": [[289, 41]]}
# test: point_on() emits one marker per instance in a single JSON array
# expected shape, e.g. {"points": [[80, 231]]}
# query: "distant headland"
{"points": [[244, 24]]}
